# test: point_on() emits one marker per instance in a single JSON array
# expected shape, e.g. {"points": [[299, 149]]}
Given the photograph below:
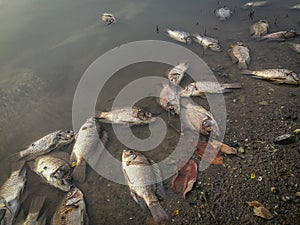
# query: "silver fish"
{"points": [[295, 6], [109, 18], [127, 115], [34, 212], [199, 88], [54, 171], [295, 47], [88, 146], [176, 74], [280, 35], [259, 28], [255, 4], [72, 210], [208, 42], [10, 193], [45, 145], [223, 13], [169, 99], [240, 54], [180, 36], [278, 76], [143, 178], [200, 120]]}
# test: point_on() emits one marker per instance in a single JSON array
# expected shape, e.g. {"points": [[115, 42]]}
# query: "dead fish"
{"points": [[199, 88], [208, 42], [45, 145], [54, 171], [180, 36], [144, 181], [34, 212], [176, 74], [295, 6], [200, 120], [11, 192], [280, 35], [108, 18], [255, 4], [223, 13], [89, 145], [259, 28], [295, 47], [127, 115], [240, 54], [278, 76], [72, 210], [169, 99]]}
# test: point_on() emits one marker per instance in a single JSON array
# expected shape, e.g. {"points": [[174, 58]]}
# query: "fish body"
{"points": [[54, 171], [208, 42], [10, 194], [46, 144], [109, 18], [279, 76], [240, 54], [295, 6], [255, 4], [280, 35], [180, 36], [169, 99], [259, 28], [72, 210], [199, 88], [127, 115], [176, 74], [143, 178], [34, 212], [295, 47], [200, 120], [223, 13], [88, 146]]}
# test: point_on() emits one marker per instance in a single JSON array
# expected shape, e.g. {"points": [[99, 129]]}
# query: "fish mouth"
{"points": [[66, 136]]}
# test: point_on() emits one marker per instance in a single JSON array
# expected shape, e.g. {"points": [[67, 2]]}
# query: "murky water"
{"points": [[47, 45]]}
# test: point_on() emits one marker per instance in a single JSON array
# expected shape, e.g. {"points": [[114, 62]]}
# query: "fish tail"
{"points": [[231, 85], [242, 65], [79, 170], [19, 166], [14, 157], [247, 72], [158, 213], [36, 204], [43, 218]]}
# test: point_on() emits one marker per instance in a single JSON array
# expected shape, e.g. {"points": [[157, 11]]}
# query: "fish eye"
{"points": [[45, 167], [32, 144], [131, 152]]}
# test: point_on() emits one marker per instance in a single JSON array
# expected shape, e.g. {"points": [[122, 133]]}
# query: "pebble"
{"points": [[241, 150], [285, 139], [263, 103]]}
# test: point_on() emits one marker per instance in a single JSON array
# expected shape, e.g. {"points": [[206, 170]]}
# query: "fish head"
{"points": [[188, 39], [74, 197], [143, 115], [173, 108], [215, 47], [65, 137], [129, 156], [209, 126]]}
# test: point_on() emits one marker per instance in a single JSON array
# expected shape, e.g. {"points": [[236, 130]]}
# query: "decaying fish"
{"points": [[295, 47], [45, 145], [127, 115], [72, 210], [223, 13], [295, 6], [278, 76], [33, 217], [240, 54], [255, 4], [199, 119], [109, 18], [280, 35], [199, 88], [10, 193], [144, 181], [259, 28], [180, 36], [208, 42], [176, 74], [169, 99], [88, 146], [54, 171]]}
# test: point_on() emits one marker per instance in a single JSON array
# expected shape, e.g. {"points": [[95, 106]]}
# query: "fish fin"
{"points": [[249, 72], [242, 65], [231, 85], [233, 58], [79, 171], [85, 218], [43, 219], [19, 166], [101, 115], [62, 155], [140, 201], [158, 213], [159, 185], [104, 137], [36, 204]]}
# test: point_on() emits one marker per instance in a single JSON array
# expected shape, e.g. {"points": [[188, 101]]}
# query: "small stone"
{"points": [[274, 190], [263, 103], [297, 193], [285, 139], [241, 150]]}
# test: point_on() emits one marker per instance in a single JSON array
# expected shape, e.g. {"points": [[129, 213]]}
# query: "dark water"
{"points": [[47, 45]]}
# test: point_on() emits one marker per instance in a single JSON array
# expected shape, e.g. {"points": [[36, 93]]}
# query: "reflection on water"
{"points": [[47, 45]]}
